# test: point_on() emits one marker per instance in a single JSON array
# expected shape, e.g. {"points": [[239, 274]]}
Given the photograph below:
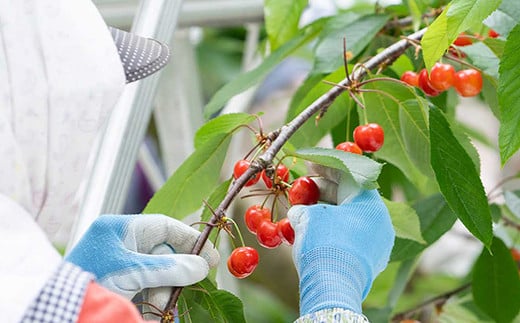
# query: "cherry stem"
{"points": [[440, 299], [238, 230], [461, 61], [501, 183], [279, 137]]}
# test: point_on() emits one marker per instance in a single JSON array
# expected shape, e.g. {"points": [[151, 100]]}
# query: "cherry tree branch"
{"points": [[437, 300], [279, 137]]}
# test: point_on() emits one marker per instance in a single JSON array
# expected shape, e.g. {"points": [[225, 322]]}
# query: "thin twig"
{"points": [[435, 300], [282, 135]]}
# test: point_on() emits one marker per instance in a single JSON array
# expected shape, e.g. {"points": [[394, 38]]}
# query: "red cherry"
{"points": [[493, 34], [350, 147], [369, 137], [468, 82], [240, 168], [282, 174], [442, 76], [254, 215], [304, 191], [242, 261], [410, 78], [267, 235], [463, 40], [516, 254], [425, 85], [285, 231]]}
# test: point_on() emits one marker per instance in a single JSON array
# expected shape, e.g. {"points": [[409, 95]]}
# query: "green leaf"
{"points": [[462, 309], [250, 78], [193, 181], [405, 221], [281, 19], [435, 217], [413, 121], [205, 303], [363, 169], [483, 57], [358, 33], [464, 140], [496, 283], [509, 97], [496, 46], [223, 124], [385, 107], [458, 178], [435, 41], [459, 16]]}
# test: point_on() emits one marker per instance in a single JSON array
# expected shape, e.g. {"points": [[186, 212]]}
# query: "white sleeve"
{"points": [[333, 315], [60, 77], [27, 260]]}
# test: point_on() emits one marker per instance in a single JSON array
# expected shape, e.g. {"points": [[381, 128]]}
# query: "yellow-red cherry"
{"points": [[369, 137], [493, 34], [267, 235], [240, 168], [411, 78], [468, 82], [442, 76], [254, 215], [242, 261], [282, 175], [463, 40], [425, 85], [350, 147], [304, 191], [285, 231]]}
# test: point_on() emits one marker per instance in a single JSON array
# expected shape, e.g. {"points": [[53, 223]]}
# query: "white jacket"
{"points": [[60, 75]]}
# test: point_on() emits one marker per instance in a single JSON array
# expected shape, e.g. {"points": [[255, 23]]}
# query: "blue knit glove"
{"points": [[118, 250], [339, 250]]}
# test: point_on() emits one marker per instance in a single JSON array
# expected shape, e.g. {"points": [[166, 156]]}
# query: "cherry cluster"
{"points": [[367, 138], [467, 82], [259, 219]]}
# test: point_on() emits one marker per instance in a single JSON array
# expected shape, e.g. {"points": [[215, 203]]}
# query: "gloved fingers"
{"points": [[151, 230], [331, 174], [328, 190], [336, 187]]}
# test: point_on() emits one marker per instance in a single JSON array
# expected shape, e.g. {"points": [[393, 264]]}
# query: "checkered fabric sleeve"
{"points": [[61, 298], [333, 315]]}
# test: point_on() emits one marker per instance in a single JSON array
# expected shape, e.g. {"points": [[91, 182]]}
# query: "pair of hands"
{"points": [[338, 250]]}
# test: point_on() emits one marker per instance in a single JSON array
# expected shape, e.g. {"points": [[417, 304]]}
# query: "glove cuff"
{"points": [[332, 278]]}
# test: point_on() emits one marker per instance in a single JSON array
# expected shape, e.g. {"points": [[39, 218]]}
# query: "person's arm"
{"points": [[116, 252], [338, 252], [70, 295]]}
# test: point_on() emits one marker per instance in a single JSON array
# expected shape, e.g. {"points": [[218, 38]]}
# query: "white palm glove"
{"points": [[118, 250]]}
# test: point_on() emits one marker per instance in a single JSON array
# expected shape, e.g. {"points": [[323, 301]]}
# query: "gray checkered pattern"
{"points": [[60, 299], [140, 56]]}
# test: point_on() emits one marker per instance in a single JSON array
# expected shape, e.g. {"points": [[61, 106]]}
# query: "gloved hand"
{"points": [[118, 250], [339, 250]]}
